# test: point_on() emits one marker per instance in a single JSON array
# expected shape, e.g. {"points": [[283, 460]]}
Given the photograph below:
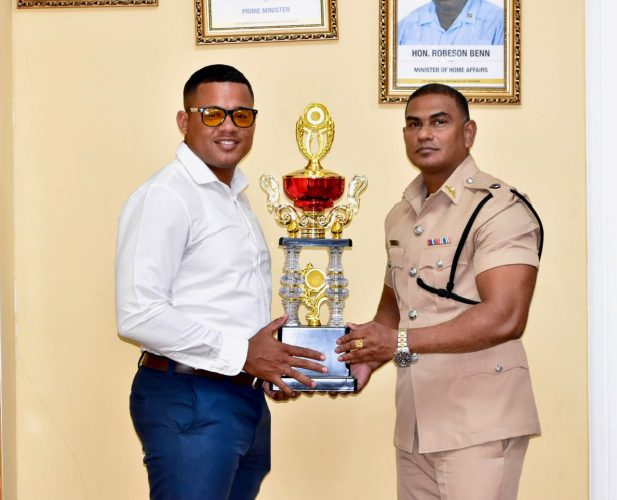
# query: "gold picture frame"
{"points": [[34, 4], [243, 21], [486, 74]]}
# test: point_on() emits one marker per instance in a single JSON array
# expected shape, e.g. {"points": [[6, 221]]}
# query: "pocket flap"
{"points": [[496, 360]]}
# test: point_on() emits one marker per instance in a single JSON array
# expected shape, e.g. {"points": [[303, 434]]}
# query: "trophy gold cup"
{"points": [[313, 191]]}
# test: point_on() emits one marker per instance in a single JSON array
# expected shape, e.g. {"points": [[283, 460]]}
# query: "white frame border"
{"points": [[601, 46]]}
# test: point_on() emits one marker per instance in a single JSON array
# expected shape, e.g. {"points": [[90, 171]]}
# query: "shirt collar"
{"points": [[201, 173], [455, 184], [415, 193], [468, 14], [452, 188]]}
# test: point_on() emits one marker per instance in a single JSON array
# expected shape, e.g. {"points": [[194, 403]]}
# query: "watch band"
{"points": [[402, 339], [403, 357]]}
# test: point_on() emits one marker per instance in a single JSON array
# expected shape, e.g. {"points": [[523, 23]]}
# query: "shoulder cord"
{"points": [[448, 292]]}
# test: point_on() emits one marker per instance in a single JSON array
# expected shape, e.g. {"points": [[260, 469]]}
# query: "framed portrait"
{"points": [[29, 4], [472, 45], [240, 21]]}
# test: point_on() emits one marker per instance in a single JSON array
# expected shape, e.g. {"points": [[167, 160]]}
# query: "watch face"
{"points": [[403, 357]]}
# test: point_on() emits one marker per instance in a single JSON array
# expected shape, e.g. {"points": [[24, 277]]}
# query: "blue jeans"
{"points": [[203, 439]]}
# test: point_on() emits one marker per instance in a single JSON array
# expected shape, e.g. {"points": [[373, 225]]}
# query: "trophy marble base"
{"points": [[322, 339]]}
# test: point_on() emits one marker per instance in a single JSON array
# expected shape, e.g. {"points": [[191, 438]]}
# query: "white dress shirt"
{"points": [[193, 276]]}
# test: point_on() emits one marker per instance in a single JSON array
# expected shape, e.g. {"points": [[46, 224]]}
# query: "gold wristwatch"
{"points": [[403, 356]]}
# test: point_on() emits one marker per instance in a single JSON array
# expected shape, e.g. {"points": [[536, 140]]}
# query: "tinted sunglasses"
{"points": [[213, 116]]}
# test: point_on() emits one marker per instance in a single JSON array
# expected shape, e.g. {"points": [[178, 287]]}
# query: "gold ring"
{"points": [[359, 343]]}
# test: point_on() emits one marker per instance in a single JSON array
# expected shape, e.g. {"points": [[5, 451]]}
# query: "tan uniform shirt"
{"points": [[458, 400]]}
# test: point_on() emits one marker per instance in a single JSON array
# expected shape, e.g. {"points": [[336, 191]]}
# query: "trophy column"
{"points": [[337, 286], [291, 281], [318, 288]]}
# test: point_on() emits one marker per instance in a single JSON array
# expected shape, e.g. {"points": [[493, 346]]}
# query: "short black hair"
{"points": [[441, 89], [214, 73]]}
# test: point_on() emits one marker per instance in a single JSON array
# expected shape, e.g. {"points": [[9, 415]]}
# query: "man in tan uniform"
{"points": [[463, 252]]}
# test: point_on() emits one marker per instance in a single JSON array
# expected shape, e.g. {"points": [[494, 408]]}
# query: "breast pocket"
{"points": [[436, 265]]}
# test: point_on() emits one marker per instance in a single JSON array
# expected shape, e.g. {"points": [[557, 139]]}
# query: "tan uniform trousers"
{"points": [[489, 471]]}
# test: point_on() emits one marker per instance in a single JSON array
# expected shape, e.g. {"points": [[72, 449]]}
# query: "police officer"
{"points": [[463, 252]]}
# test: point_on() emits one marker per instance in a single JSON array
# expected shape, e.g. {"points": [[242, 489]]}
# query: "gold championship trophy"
{"points": [[313, 191]]}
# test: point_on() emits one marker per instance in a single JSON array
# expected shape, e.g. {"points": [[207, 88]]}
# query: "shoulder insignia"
{"points": [[486, 182]]}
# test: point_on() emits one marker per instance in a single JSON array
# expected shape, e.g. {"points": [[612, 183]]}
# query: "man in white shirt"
{"points": [[193, 287]]}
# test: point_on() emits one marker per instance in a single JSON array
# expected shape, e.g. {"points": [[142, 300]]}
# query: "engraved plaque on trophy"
{"points": [[313, 191]]}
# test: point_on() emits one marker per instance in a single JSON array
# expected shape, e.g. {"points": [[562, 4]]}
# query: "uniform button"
{"points": [[439, 264], [389, 264], [499, 368], [412, 315], [414, 357], [413, 272], [469, 180], [418, 230], [495, 186]]}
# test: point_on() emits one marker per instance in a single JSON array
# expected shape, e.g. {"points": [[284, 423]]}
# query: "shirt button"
{"points": [[469, 180], [413, 272], [439, 264], [414, 357], [499, 368], [412, 315], [418, 230]]}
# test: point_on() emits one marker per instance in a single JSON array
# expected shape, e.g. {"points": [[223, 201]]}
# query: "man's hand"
{"points": [[378, 344], [362, 372], [279, 395], [270, 359]]}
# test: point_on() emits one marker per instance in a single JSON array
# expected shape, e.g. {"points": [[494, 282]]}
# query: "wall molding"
{"points": [[601, 46]]}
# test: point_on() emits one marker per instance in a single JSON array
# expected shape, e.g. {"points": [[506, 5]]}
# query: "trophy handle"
{"points": [[284, 213], [268, 183], [342, 214], [357, 186]]}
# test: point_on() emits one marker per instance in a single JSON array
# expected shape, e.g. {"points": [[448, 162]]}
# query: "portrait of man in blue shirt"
{"points": [[453, 22]]}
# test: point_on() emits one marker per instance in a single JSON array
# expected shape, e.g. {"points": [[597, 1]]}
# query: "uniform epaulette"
{"points": [[486, 182]]}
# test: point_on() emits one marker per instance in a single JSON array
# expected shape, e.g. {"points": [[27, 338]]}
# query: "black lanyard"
{"points": [[448, 292]]}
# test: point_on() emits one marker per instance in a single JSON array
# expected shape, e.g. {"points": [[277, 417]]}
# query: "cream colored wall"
{"points": [[96, 92], [7, 316]]}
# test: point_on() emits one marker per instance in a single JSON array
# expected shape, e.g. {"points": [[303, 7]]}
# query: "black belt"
{"points": [[161, 363]]}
